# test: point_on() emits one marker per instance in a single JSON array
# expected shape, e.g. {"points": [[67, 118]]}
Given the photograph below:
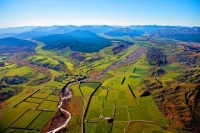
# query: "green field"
{"points": [[48, 105], [75, 90], [175, 67], [41, 78], [27, 105], [118, 102], [26, 119], [9, 116], [34, 100], [121, 114], [40, 95], [53, 98], [134, 113], [118, 127], [41, 120], [43, 60], [21, 71]]}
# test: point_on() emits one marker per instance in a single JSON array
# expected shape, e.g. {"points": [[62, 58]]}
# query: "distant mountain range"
{"points": [[32, 32], [188, 34], [124, 32], [86, 39], [176, 32]]}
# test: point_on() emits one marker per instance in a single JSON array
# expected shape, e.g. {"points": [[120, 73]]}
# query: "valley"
{"points": [[115, 80]]}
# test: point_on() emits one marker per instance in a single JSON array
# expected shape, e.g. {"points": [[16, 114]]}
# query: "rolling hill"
{"points": [[13, 45], [78, 40], [14, 42]]}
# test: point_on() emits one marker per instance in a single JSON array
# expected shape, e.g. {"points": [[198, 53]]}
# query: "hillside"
{"points": [[11, 45], [78, 40], [14, 42]]}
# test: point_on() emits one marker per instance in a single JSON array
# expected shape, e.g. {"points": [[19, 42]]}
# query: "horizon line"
{"points": [[98, 25]]}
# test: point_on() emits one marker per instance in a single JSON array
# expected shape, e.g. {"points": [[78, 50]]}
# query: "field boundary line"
{"points": [[128, 118]]}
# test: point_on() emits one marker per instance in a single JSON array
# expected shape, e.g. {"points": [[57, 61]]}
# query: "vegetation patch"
{"points": [[134, 113], [53, 98], [60, 78], [174, 67], [96, 104], [155, 56], [15, 80], [46, 61], [118, 127], [136, 127], [27, 105], [34, 100], [9, 116], [40, 95], [74, 124], [39, 80], [108, 112], [41, 120], [8, 91], [90, 127], [21, 71], [93, 114], [109, 103], [121, 114], [75, 89], [26, 119], [48, 105], [91, 85]]}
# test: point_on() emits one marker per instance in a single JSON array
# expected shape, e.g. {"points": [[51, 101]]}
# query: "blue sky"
{"points": [[14, 13]]}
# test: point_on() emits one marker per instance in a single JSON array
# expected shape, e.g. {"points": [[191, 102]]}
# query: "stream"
{"points": [[67, 95]]}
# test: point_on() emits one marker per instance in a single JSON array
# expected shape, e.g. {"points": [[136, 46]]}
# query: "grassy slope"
{"points": [[26, 99], [21, 71]]}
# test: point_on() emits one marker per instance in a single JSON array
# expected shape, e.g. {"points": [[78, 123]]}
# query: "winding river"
{"points": [[67, 95]]}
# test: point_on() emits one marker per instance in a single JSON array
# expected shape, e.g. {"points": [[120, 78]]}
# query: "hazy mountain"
{"points": [[124, 32], [31, 34], [167, 29], [50, 39], [83, 34], [98, 28], [53, 29], [7, 35], [16, 29], [37, 31], [176, 32], [43, 31]]}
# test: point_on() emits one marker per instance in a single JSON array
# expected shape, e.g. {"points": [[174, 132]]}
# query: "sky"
{"points": [[16, 13]]}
